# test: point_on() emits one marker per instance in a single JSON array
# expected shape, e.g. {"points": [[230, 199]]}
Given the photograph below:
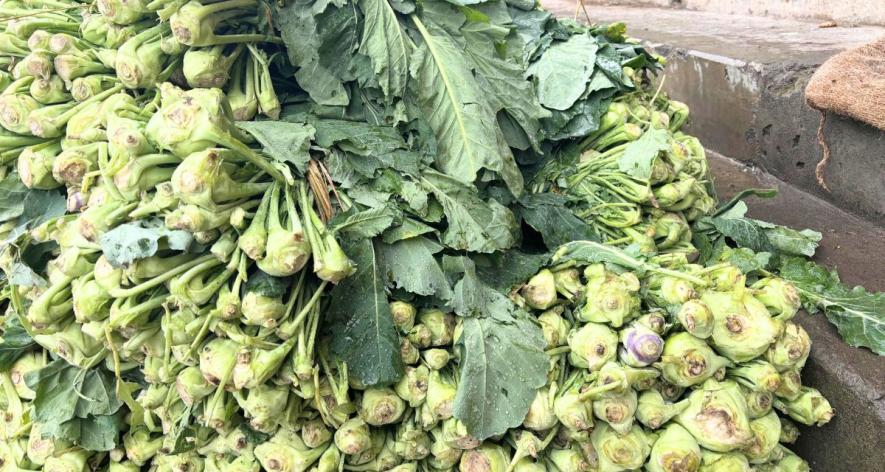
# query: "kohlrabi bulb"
{"points": [[717, 417], [675, 450], [809, 407], [381, 406], [616, 451], [687, 360], [592, 345], [790, 350], [779, 296], [540, 291], [403, 315], [653, 411]]}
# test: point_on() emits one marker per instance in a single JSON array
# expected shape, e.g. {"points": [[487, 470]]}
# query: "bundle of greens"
{"points": [[636, 180], [225, 249]]}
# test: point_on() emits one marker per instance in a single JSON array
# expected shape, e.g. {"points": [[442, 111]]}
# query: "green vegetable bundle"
{"points": [[291, 237], [158, 268], [638, 180]]}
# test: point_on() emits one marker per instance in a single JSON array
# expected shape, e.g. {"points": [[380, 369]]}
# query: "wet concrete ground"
{"points": [[765, 40]]}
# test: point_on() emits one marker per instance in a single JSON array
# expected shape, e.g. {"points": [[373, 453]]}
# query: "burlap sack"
{"points": [[851, 83]]}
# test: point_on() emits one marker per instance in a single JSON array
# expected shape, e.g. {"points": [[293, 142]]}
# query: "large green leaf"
{"points": [[320, 40], [639, 156], [583, 118], [791, 241], [732, 223], [22, 275], [95, 433], [410, 228], [563, 71], [508, 90], [502, 359], [415, 196], [745, 232], [386, 45], [37, 207], [473, 224], [12, 197], [64, 392], [140, 239], [502, 365], [77, 405], [591, 252], [183, 435], [411, 266], [745, 259], [547, 214], [359, 316], [357, 137], [859, 315], [366, 223], [283, 141], [26, 261], [503, 270], [455, 107]]}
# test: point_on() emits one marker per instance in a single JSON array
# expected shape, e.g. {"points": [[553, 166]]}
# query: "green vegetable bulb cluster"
{"points": [[296, 236]]}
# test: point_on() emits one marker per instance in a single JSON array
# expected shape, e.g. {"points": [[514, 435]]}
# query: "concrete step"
{"points": [[848, 12], [744, 78], [852, 379]]}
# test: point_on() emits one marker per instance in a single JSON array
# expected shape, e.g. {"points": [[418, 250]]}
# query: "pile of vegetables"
{"points": [[241, 235]]}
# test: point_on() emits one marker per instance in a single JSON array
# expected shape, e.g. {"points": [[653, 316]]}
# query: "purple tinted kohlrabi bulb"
{"points": [[640, 346]]}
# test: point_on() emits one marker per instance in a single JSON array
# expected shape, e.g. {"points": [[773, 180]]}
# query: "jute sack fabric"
{"points": [[852, 84]]}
